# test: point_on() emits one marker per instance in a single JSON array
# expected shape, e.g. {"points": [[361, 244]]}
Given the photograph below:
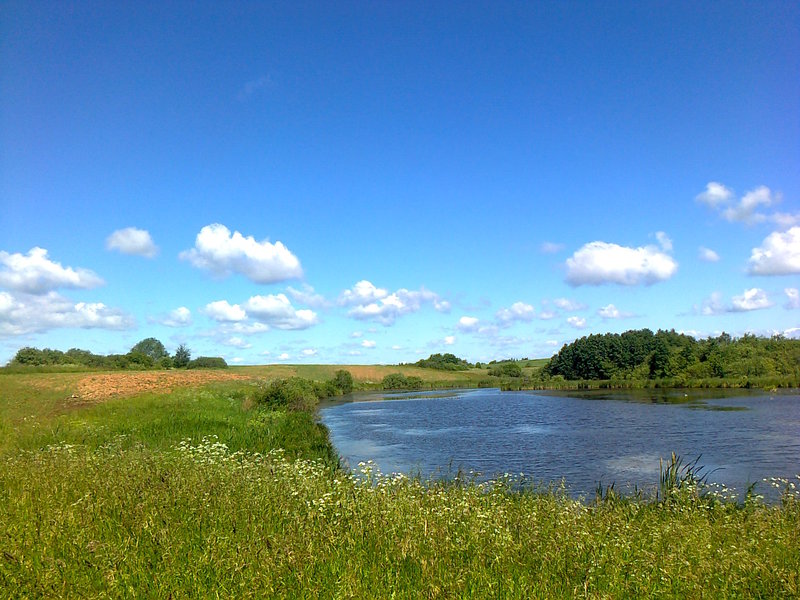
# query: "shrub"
{"points": [[207, 362], [509, 369], [293, 393], [343, 381]]}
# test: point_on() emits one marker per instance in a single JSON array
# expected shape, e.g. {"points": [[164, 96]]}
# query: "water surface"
{"points": [[584, 439]]}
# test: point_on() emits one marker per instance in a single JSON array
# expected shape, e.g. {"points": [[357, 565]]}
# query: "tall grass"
{"points": [[192, 494]]}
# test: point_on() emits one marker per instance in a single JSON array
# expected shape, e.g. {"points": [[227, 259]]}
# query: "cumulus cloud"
{"points": [[546, 315], [35, 313], [612, 312], [223, 312], [180, 317], [569, 305], [715, 195], [778, 254], [707, 255], [277, 311], [577, 322], [35, 273], [223, 253], [310, 352], [367, 344], [132, 241], [597, 263], [363, 292], [793, 295], [752, 299], [746, 210], [307, 296], [749, 208], [466, 323], [449, 340], [237, 342], [519, 311], [283, 356], [712, 305], [550, 248], [371, 303]]}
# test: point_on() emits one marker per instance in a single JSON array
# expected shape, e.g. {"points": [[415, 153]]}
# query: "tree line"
{"points": [[668, 355], [149, 353]]}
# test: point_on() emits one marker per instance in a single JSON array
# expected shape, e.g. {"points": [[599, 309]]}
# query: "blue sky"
{"points": [[374, 182]]}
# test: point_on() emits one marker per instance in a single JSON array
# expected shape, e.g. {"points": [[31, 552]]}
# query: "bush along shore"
{"points": [[234, 490]]}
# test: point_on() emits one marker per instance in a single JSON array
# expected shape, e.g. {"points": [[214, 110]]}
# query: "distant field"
{"points": [[365, 374]]}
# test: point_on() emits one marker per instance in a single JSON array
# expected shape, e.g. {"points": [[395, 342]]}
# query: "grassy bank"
{"points": [[198, 493]]}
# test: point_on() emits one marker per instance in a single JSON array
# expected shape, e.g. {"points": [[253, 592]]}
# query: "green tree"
{"points": [[182, 357], [151, 347]]}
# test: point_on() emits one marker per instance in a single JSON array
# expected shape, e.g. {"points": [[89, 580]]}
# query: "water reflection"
{"points": [[585, 439]]}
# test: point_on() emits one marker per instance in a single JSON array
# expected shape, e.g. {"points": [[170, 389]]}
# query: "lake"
{"points": [[583, 438]]}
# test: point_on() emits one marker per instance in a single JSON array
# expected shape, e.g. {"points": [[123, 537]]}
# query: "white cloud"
{"points": [[712, 305], [283, 356], [310, 352], [237, 342], [180, 317], [223, 253], [664, 241], [467, 323], [568, 305], [598, 263], [363, 292], [748, 209], [223, 312], [307, 296], [715, 195], [779, 254], [550, 248], [707, 255], [785, 220], [576, 322], [793, 294], [36, 313], [35, 273], [612, 312], [519, 311], [552, 343], [546, 315], [449, 340], [377, 304], [356, 334], [276, 311], [132, 241], [792, 333], [752, 299], [367, 344], [243, 328], [397, 347]]}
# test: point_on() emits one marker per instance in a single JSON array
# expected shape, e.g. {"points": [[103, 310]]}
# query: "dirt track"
{"points": [[101, 386]]}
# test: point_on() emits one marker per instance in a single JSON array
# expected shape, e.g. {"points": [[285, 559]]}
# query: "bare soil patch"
{"points": [[102, 386]]}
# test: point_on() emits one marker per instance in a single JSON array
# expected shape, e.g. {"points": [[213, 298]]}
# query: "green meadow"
{"points": [[207, 492]]}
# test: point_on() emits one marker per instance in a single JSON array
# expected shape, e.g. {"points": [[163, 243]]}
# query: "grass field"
{"points": [[191, 491]]}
